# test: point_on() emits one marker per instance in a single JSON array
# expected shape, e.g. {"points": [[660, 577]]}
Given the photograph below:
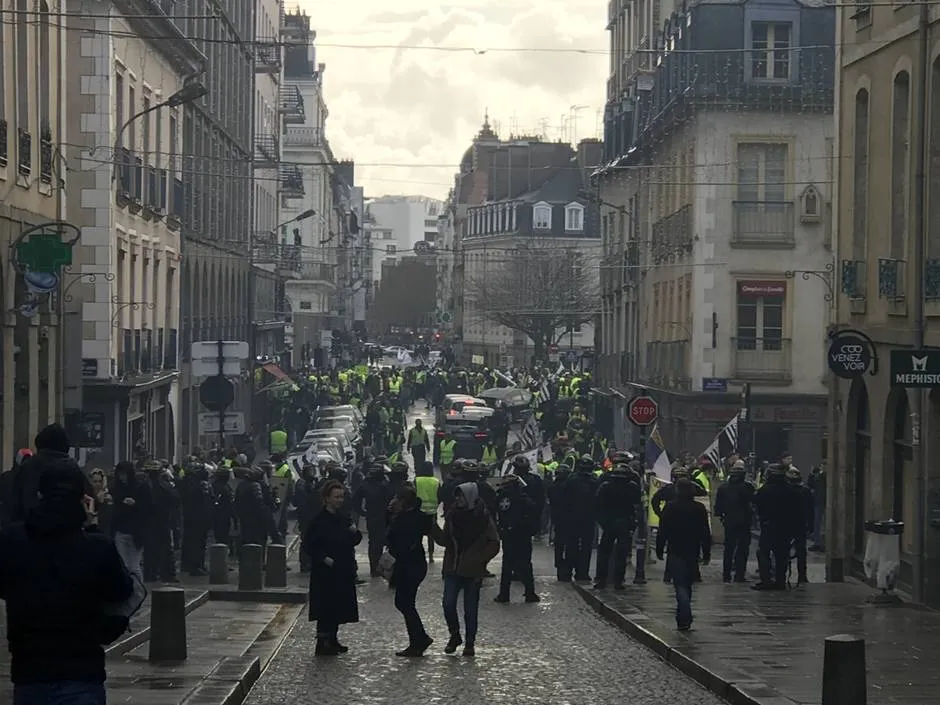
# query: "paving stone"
{"points": [[556, 652]]}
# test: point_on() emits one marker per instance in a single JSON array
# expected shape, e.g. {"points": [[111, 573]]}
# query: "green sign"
{"points": [[915, 368], [43, 252], [445, 317]]}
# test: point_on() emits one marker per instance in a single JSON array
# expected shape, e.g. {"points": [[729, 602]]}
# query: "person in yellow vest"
{"points": [[445, 456], [282, 483], [278, 441], [418, 444], [427, 487], [490, 455]]}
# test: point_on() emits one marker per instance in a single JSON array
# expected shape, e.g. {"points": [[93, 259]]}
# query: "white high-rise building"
{"points": [[400, 222]]}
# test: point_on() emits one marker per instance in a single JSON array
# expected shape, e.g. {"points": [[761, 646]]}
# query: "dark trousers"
{"points": [[376, 546], [407, 581], [737, 546], [69, 692], [562, 565], [773, 547], [800, 543], [159, 563], [193, 553], [419, 454], [684, 571], [615, 541], [580, 545], [453, 586], [517, 560]]}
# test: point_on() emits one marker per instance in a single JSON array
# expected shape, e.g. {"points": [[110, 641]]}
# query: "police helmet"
{"points": [[586, 464], [400, 467], [521, 463]]}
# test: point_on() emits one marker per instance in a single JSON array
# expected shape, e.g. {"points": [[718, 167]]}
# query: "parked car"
{"points": [[338, 434], [516, 399], [347, 423], [341, 410]]}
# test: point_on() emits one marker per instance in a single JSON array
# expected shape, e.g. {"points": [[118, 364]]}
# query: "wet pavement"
{"points": [[556, 652], [771, 643]]}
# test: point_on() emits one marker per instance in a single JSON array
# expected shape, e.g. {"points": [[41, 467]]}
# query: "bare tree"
{"points": [[542, 289]]}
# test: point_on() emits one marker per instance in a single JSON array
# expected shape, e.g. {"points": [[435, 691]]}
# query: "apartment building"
{"points": [[885, 412], [127, 90], [32, 178], [715, 199]]}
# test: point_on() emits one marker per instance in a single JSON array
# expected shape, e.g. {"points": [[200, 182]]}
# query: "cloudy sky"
{"points": [[410, 110]]}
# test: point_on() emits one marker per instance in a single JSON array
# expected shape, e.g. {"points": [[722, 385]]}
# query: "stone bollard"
{"points": [[250, 564], [275, 573], [167, 624], [218, 564], [844, 671]]}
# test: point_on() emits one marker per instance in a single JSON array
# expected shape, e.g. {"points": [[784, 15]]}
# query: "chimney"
{"points": [[590, 153]]}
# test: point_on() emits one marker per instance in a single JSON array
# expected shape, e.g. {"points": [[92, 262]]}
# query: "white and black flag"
{"points": [[531, 434], [725, 443]]}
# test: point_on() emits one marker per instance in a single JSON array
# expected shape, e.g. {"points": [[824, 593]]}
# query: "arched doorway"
{"points": [[858, 431]]}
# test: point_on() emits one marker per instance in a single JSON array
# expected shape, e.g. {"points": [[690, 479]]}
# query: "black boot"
{"points": [[327, 647]]}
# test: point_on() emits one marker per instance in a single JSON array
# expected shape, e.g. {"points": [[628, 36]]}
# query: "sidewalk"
{"points": [[766, 648]]}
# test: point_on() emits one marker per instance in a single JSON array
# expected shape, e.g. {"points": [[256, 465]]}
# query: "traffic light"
{"points": [[437, 337]]}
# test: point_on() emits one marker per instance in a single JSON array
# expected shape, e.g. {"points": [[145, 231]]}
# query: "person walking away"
{"points": [[52, 446], [418, 444], [618, 499], [580, 497], [130, 519], [330, 542], [428, 488], [371, 501], [408, 525], [56, 575], [561, 521], [684, 535], [778, 508], [470, 542], [802, 521], [159, 561], [445, 455], [515, 520], [223, 507], [733, 507]]}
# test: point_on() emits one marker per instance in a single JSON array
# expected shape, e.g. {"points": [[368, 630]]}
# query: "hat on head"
{"points": [[53, 437], [22, 454], [62, 480]]}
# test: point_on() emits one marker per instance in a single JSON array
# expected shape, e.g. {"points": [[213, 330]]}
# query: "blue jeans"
{"points": [[453, 584], [683, 575], [61, 693]]}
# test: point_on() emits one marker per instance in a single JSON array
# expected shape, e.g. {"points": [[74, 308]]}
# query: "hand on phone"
{"points": [[129, 501], [328, 561]]}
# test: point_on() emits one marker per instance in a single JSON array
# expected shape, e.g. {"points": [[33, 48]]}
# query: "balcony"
{"points": [[292, 105], [667, 363], [129, 177], [296, 136], [762, 360], [672, 237], [177, 201], [24, 153], [155, 192], [853, 277], [317, 272], [267, 152], [4, 147], [291, 182], [45, 155], [268, 58], [763, 224], [891, 284]]}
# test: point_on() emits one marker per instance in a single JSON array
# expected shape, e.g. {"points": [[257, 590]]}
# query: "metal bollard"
{"points": [[275, 573], [218, 564], [250, 565], [844, 671], [167, 624]]}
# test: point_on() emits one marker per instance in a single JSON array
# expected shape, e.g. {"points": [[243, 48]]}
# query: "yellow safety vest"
{"points": [[702, 478], [282, 471], [489, 455], [426, 489], [394, 385], [447, 452], [416, 436], [278, 441]]}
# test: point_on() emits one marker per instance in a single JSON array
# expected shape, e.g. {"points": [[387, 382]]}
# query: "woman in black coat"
{"points": [[408, 526], [330, 541]]}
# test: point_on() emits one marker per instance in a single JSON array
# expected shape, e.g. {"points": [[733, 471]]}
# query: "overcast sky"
{"points": [[419, 108]]}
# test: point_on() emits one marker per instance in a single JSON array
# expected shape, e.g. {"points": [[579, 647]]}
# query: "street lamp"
{"points": [[309, 213], [187, 94]]}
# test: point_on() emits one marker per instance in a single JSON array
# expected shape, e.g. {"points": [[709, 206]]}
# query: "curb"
{"points": [[743, 692], [268, 596], [135, 639]]}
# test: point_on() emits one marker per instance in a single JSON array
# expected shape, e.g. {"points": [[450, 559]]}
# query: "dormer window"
{"points": [[574, 217], [542, 216]]}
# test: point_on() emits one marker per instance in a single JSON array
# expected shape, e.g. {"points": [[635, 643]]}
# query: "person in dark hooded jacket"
{"points": [[733, 506], [52, 445], [131, 514], [618, 499], [56, 577]]}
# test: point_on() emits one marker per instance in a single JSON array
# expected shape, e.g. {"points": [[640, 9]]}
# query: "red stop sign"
{"points": [[642, 411]]}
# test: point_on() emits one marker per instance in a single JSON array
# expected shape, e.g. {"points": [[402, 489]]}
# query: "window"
{"points": [[542, 216], [132, 127], [391, 249], [760, 315], [860, 178], [386, 235], [900, 151], [44, 65], [933, 181], [23, 63], [762, 172], [145, 120], [770, 50], [306, 305], [574, 217], [174, 144]]}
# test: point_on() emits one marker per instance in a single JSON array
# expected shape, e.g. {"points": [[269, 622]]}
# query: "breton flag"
{"points": [[656, 457], [544, 392], [531, 435], [725, 443]]}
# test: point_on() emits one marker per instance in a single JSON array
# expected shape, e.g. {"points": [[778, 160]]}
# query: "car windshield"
{"points": [[335, 422]]}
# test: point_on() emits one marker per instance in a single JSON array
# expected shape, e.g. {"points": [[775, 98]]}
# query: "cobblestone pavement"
{"points": [[555, 652]]}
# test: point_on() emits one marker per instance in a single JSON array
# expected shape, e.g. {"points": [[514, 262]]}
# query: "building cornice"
{"points": [[148, 19]]}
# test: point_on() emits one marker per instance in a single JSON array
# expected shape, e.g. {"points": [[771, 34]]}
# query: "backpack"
{"points": [[115, 619]]}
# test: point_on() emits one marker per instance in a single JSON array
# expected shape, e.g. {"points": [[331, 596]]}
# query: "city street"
{"points": [[555, 652]]}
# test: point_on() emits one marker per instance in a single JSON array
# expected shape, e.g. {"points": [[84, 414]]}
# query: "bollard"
{"points": [[218, 564], [250, 564], [167, 624], [275, 572], [844, 671]]}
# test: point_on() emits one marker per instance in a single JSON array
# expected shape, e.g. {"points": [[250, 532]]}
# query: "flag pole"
{"points": [[642, 534]]}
